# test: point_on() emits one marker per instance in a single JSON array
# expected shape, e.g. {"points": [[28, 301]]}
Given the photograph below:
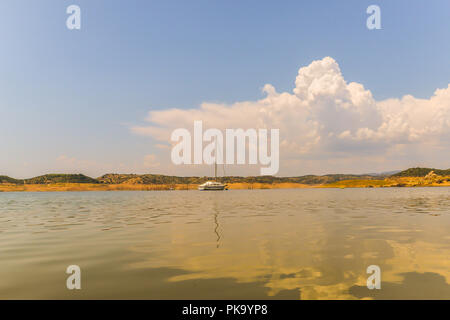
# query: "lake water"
{"points": [[238, 244]]}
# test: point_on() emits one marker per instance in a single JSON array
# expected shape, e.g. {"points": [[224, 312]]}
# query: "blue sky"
{"points": [[77, 93]]}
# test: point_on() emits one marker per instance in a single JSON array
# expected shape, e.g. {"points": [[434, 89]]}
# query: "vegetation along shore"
{"points": [[413, 177]]}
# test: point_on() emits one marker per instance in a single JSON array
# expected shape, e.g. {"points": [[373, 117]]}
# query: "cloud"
{"points": [[69, 164], [162, 146], [150, 161], [328, 124]]}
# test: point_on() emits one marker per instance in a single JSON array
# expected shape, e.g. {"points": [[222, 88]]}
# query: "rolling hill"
{"points": [[421, 172], [6, 179], [157, 179], [61, 178]]}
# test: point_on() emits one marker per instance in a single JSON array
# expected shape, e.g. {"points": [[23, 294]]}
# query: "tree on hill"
{"points": [[6, 179], [61, 178], [421, 172]]}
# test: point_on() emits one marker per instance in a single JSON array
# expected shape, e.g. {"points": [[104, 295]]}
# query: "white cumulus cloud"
{"points": [[328, 124]]}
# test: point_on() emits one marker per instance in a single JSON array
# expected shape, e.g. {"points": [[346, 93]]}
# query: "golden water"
{"points": [[243, 244]]}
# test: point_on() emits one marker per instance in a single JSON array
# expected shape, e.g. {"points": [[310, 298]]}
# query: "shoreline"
{"points": [[73, 187], [406, 182]]}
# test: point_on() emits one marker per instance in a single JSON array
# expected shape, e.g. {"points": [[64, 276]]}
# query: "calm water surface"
{"points": [[242, 244]]}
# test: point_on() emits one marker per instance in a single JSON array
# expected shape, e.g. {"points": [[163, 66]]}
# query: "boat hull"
{"points": [[211, 188]]}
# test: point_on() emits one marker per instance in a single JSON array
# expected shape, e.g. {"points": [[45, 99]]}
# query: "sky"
{"points": [[106, 97]]}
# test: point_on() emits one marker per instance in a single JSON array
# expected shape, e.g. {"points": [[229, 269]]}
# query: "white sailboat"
{"points": [[212, 185]]}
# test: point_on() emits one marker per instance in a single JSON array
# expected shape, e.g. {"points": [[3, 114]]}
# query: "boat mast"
{"points": [[215, 160]]}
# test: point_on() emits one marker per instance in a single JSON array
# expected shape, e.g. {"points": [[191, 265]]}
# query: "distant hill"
{"points": [[6, 179], [152, 179], [330, 178], [421, 172], [385, 173], [114, 178], [157, 179], [61, 178]]}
